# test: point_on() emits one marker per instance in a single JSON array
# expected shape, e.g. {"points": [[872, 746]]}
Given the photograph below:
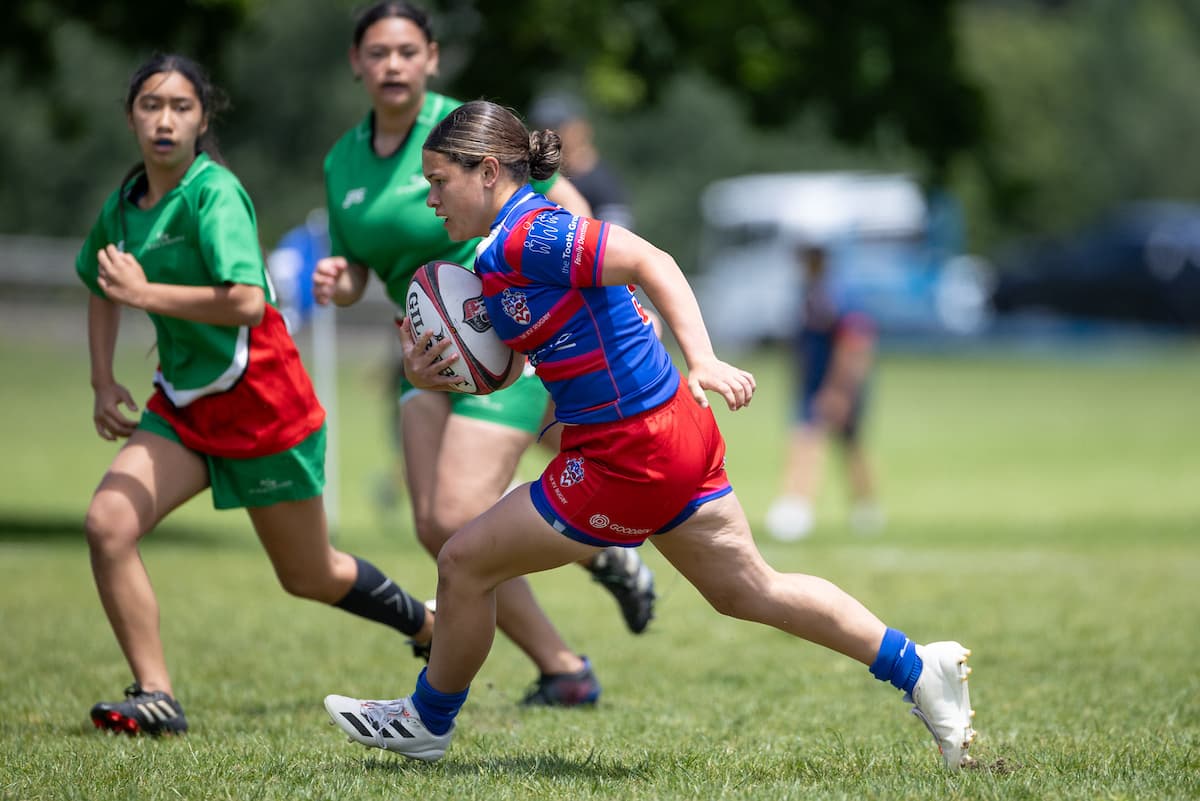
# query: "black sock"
{"points": [[376, 597]]}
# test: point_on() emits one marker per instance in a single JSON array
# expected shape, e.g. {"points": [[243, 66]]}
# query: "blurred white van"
{"points": [[892, 253]]}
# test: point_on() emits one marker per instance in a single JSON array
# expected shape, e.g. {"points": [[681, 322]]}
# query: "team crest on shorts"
{"points": [[515, 306], [475, 314], [573, 473]]}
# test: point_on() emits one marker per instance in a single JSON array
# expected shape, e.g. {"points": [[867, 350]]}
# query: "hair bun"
{"points": [[545, 154]]}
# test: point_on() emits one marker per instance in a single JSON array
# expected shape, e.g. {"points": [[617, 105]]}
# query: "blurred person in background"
{"points": [[460, 451], [835, 354], [291, 264], [233, 408], [581, 162]]}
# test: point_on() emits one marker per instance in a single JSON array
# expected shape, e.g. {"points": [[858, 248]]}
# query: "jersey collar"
{"points": [[519, 197]]}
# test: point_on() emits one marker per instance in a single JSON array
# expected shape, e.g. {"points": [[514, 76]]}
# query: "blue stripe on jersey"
{"points": [[597, 355]]}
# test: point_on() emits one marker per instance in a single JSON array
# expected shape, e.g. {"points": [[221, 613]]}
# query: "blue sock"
{"points": [[437, 709], [897, 661]]}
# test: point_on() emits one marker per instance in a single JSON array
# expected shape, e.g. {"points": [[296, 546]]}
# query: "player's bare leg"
{"points": [[150, 477], [475, 461], [510, 540], [715, 551]]}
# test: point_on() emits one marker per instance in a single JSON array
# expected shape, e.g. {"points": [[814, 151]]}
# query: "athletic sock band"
{"points": [[897, 661], [437, 709], [376, 597]]}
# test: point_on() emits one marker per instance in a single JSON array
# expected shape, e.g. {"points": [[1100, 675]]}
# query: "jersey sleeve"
{"points": [[553, 246], [86, 265], [337, 240], [228, 236]]}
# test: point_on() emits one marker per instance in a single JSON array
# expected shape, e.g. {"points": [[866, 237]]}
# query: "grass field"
{"points": [[1045, 512]]}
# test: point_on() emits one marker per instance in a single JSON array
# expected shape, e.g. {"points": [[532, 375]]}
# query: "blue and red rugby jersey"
{"points": [[593, 346]]}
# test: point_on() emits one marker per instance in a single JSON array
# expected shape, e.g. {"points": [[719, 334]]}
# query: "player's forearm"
{"points": [[668, 290], [104, 320], [230, 304]]}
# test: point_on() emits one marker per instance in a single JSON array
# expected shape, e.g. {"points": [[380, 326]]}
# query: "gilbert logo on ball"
{"points": [[447, 299]]}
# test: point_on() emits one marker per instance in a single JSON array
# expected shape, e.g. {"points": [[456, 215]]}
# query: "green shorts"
{"points": [[292, 475], [520, 406]]}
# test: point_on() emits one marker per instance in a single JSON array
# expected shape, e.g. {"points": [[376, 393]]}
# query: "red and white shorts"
{"points": [[617, 483]]}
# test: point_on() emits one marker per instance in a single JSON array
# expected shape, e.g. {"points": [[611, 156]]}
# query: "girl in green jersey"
{"points": [[232, 408], [460, 452]]}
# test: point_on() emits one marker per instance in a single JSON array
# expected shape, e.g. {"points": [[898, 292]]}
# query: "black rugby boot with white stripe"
{"points": [[626, 576], [140, 713]]}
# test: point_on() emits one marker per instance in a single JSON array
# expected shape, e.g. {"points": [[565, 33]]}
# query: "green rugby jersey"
{"points": [[201, 233], [377, 212]]}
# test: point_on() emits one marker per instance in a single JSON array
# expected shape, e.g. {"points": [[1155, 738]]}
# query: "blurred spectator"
{"points": [[835, 351], [581, 161], [291, 266]]}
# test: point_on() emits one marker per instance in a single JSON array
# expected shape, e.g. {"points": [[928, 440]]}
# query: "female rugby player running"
{"points": [[641, 454], [233, 407], [460, 451]]}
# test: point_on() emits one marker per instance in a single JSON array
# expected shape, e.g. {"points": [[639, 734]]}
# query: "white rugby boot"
{"points": [[942, 702], [390, 725]]}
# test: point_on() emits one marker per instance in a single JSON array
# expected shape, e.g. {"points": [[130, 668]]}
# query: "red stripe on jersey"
{"points": [[586, 252], [495, 283], [271, 408], [550, 324], [514, 243], [560, 369]]}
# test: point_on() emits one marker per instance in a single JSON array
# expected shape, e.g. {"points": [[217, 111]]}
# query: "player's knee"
{"points": [[311, 585], [726, 603], [457, 563], [111, 525], [452, 512], [734, 600], [431, 533]]}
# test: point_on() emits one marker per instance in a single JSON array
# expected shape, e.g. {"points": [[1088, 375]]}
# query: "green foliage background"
{"points": [[1038, 115]]}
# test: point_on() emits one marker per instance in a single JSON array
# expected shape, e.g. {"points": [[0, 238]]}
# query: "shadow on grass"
{"points": [[546, 766], [50, 529]]}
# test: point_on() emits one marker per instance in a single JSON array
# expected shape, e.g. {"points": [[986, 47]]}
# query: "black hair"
{"points": [[481, 128], [394, 8]]}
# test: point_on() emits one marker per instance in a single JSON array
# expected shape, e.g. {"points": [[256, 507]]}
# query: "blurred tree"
{"points": [[64, 65], [198, 27], [867, 70], [867, 65], [1088, 103], [1092, 105]]}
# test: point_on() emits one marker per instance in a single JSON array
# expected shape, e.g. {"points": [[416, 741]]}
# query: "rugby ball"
{"points": [[447, 299]]}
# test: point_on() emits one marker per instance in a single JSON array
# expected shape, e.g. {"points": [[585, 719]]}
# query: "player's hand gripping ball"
{"points": [[447, 299]]}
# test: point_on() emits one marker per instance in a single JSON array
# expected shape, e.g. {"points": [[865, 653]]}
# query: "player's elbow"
{"points": [[653, 266], [351, 285], [348, 297], [249, 304]]}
